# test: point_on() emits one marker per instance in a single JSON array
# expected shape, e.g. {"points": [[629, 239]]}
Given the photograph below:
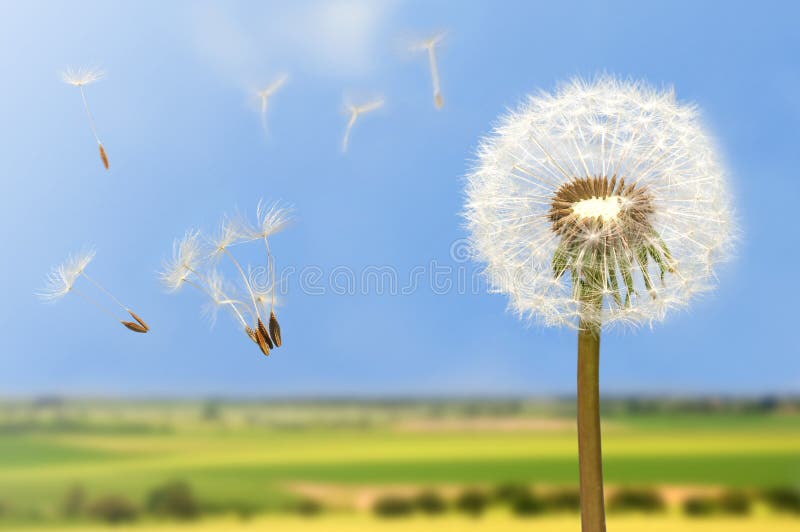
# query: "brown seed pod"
{"points": [[138, 319], [262, 343], [263, 330], [135, 327], [274, 329], [103, 156], [251, 334]]}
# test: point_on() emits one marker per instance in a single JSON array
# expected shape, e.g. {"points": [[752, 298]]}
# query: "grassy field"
{"points": [[256, 455], [458, 524]]}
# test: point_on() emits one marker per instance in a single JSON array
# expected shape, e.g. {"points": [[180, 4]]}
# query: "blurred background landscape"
{"points": [[490, 464]]}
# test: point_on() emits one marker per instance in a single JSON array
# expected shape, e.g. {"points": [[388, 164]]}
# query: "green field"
{"points": [[457, 524], [255, 455]]}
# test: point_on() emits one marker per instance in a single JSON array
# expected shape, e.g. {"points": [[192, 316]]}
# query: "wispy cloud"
{"points": [[334, 38]]}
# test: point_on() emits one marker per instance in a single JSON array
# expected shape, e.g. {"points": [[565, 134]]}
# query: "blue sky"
{"points": [[186, 147]]}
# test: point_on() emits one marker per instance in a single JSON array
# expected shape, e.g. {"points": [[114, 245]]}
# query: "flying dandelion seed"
{"points": [[604, 203], [61, 281], [265, 94], [229, 234], [356, 111], [223, 295], [193, 253], [79, 78], [429, 46], [187, 256], [270, 219], [186, 268]]}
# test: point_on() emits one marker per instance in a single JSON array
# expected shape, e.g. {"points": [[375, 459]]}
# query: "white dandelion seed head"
{"points": [[216, 285], [222, 294], [428, 42], [187, 255], [230, 232], [81, 76], [271, 218], [366, 106], [273, 87], [608, 192], [62, 277]]}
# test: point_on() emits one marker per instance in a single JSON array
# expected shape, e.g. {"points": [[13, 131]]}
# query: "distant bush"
{"points": [[564, 500], [783, 499], [429, 502], [113, 509], [636, 500], [393, 506], [731, 503], [211, 411], [472, 502], [509, 492], [34, 515], [74, 502], [700, 506], [308, 507], [244, 511], [527, 504], [735, 503], [173, 500]]}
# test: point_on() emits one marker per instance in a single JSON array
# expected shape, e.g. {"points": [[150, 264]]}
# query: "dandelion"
{"points": [[187, 255], [604, 203], [265, 297], [220, 297], [62, 279], [79, 78], [270, 219], [275, 329], [184, 268], [229, 234], [222, 294], [266, 93], [356, 111], [429, 46], [189, 265]]}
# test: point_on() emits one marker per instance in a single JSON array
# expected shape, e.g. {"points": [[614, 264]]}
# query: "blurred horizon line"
{"points": [[391, 398]]}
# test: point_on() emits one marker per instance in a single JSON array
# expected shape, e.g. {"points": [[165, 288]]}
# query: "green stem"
{"points": [[589, 451]]}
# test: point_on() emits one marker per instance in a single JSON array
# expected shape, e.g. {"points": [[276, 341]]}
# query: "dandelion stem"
{"points": [[350, 123], [437, 95], [232, 303], [246, 282], [102, 288], [589, 448], [236, 311], [264, 114], [103, 309], [204, 290], [271, 266], [89, 115], [265, 94], [355, 112], [199, 287]]}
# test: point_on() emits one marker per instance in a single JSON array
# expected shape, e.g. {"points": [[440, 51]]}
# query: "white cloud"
{"points": [[334, 38]]}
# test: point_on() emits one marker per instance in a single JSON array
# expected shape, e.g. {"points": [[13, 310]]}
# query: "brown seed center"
{"points": [[600, 209]]}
